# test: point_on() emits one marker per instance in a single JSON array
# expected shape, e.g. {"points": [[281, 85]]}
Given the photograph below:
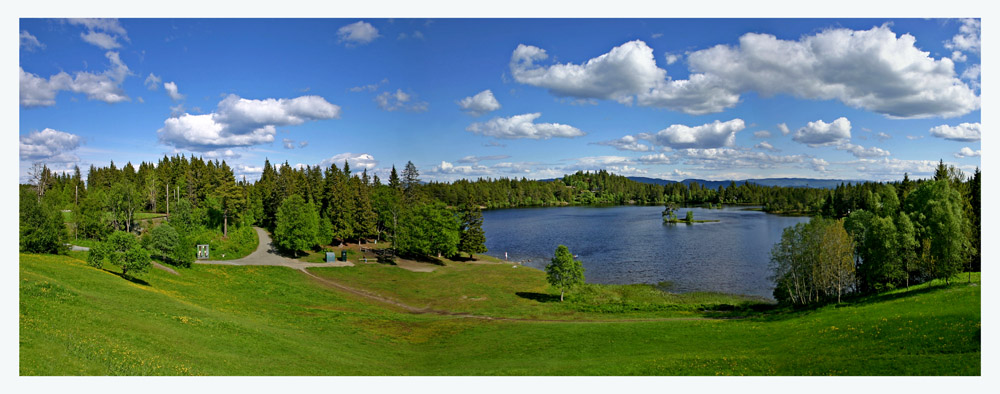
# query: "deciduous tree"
{"points": [[564, 272]]}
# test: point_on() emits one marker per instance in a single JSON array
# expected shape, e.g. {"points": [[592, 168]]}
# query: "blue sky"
{"points": [[468, 98]]}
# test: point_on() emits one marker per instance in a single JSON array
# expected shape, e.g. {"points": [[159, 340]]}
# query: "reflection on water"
{"points": [[630, 244]]}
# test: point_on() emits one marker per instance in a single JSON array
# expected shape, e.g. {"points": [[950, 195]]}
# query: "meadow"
{"points": [[226, 320]]}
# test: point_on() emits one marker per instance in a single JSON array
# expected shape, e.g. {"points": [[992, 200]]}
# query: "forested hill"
{"points": [[780, 182]]}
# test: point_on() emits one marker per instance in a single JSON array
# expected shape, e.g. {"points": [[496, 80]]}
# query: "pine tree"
{"points": [[472, 239]]}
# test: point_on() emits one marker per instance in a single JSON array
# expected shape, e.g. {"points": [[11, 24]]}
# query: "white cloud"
{"points": [[358, 33], [370, 87], [37, 91], [820, 133], [483, 102], [968, 37], [103, 33], [356, 160], [728, 158], [625, 71], [245, 169], [288, 143], [700, 94], [153, 82], [220, 154], [711, 135], [103, 40], [627, 142], [968, 152], [400, 100], [958, 56], [972, 74], [965, 132], [914, 137], [871, 69], [657, 158], [303, 144], [29, 42], [882, 136], [671, 58], [523, 126], [494, 144], [48, 145], [862, 152], [243, 122], [764, 145], [171, 89], [762, 134], [784, 129], [889, 168], [467, 170]]}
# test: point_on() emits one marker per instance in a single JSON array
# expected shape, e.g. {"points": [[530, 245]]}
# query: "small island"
{"points": [[670, 216]]}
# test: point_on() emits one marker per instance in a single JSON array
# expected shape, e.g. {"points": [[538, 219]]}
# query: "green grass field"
{"points": [[224, 320]]}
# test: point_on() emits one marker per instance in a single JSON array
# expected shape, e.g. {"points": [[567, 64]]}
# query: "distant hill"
{"points": [[783, 182]]}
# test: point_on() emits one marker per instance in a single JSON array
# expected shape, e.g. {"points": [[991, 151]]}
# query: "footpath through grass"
{"points": [[228, 320]]}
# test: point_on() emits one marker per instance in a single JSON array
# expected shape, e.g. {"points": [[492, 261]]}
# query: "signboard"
{"points": [[202, 252], [331, 257]]}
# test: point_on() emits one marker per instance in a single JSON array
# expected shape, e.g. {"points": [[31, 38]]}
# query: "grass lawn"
{"points": [[230, 320]]}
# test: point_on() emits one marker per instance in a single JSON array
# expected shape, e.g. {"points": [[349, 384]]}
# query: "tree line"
{"points": [[891, 236]]}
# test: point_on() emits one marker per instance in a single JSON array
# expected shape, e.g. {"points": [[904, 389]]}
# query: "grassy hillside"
{"points": [[222, 320]]}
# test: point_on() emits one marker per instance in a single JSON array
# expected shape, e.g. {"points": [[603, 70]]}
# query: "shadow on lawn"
{"points": [[776, 312], [128, 278], [540, 297]]}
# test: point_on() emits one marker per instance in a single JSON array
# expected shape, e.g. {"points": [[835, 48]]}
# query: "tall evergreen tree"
{"points": [[472, 239]]}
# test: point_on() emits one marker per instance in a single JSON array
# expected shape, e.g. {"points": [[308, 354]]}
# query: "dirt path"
{"points": [[265, 255]]}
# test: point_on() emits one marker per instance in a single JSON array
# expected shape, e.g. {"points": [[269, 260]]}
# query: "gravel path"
{"points": [[265, 255]]}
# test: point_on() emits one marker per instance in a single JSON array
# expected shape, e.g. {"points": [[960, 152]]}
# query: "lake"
{"points": [[630, 244]]}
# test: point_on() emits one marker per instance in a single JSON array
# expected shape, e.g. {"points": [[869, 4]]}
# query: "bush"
{"points": [[121, 249], [41, 226]]}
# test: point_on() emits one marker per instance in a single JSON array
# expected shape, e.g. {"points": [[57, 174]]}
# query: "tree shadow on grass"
{"points": [[128, 277], [422, 259], [540, 297], [776, 312]]}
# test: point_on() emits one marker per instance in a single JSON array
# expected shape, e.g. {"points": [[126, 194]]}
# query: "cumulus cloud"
{"points": [[762, 134], [764, 145], [523, 126], [656, 158], [29, 42], [671, 58], [869, 69], [36, 91], [711, 135], [958, 56], [965, 132], [483, 102], [968, 37], [288, 143], [618, 75], [48, 145], [784, 129], [968, 152], [400, 100], [356, 160], [358, 33], [153, 82], [627, 142], [466, 170], [171, 89], [243, 122], [820, 133]]}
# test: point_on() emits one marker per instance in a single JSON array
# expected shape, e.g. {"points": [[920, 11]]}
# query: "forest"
{"points": [[309, 207]]}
